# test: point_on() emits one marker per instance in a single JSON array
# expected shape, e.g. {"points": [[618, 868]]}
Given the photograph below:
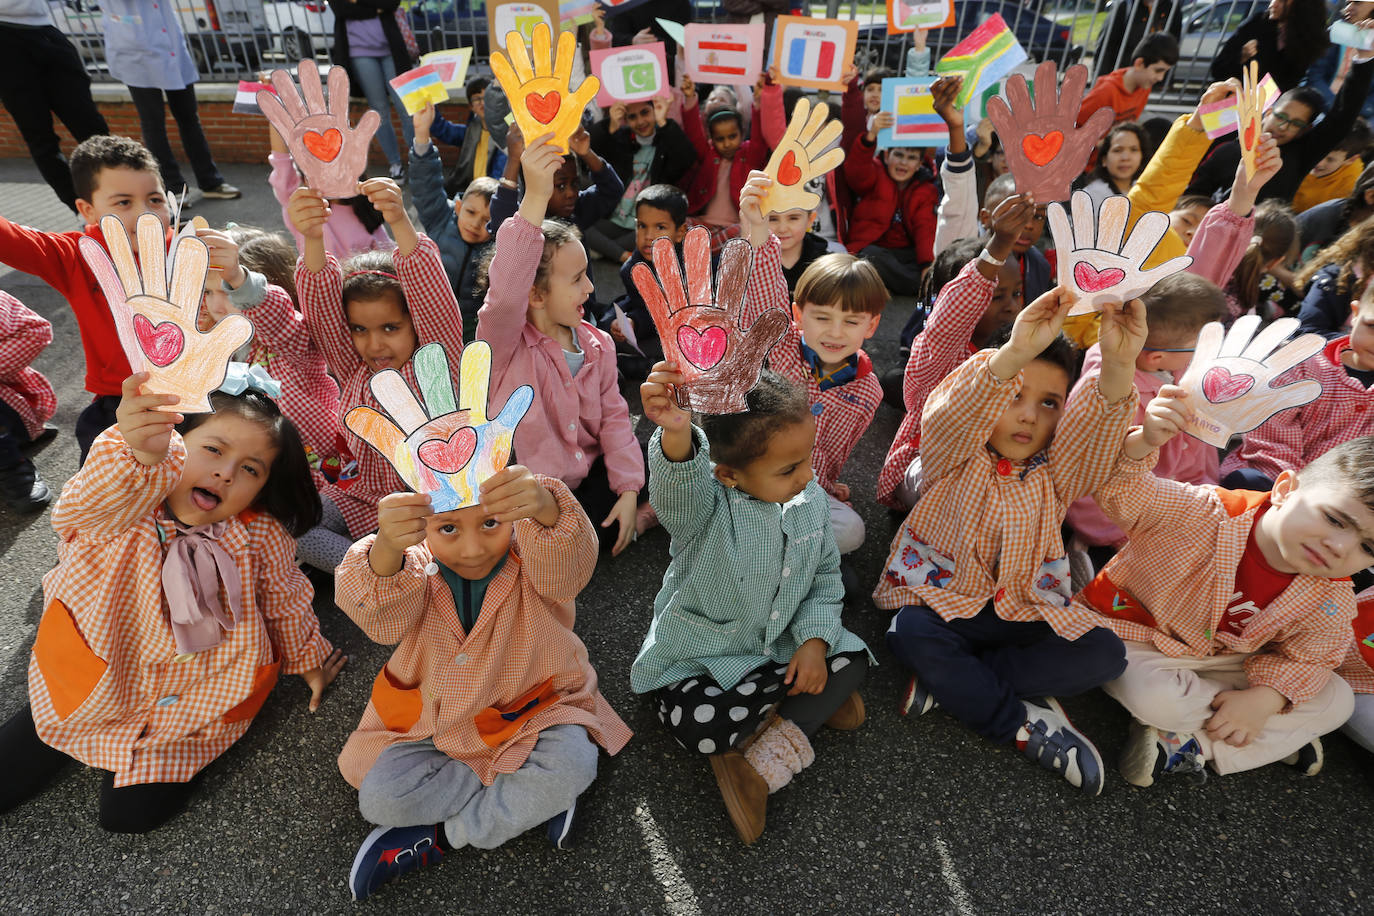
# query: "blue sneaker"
{"points": [[1151, 752], [917, 701], [561, 827], [389, 852], [1049, 738]]}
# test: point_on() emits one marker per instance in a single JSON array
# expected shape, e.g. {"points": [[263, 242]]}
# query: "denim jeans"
{"points": [[376, 74]]}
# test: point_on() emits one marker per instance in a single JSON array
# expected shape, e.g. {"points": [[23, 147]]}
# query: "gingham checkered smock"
{"points": [[23, 335]]}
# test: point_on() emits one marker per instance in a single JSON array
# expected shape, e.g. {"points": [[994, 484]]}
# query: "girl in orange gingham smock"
{"points": [[486, 719], [174, 606], [978, 575]]}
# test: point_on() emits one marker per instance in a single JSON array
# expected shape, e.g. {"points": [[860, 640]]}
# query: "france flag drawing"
{"points": [[812, 53], [812, 58]]}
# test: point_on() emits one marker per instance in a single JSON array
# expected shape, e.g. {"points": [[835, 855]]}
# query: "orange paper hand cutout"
{"points": [[803, 154], [538, 92]]}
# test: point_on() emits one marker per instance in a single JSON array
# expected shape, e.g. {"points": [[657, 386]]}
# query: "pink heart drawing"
{"points": [[1092, 280], [162, 343], [451, 455], [703, 349], [1221, 386]]}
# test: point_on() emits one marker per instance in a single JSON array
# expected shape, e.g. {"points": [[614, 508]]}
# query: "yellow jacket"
{"points": [[1164, 180]]}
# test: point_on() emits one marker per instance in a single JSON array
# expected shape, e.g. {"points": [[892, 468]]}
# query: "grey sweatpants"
{"points": [[1360, 726], [416, 783]]}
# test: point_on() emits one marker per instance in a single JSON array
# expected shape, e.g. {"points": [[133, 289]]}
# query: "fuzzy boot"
{"points": [[780, 753]]}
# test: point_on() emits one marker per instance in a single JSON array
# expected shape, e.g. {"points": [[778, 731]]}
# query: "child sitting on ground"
{"points": [[660, 212], [27, 403], [1037, 276], [984, 297], [1290, 439], [977, 576], [1235, 606], [582, 208], [893, 222], [746, 656], [578, 428], [838, 304], [1335, 175], [476, 752], [798, 246], [723, 165]]}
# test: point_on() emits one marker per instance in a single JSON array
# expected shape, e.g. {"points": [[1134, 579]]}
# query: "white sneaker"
{"points": [[1049, 738], [1151, 753], [1308, 759]]}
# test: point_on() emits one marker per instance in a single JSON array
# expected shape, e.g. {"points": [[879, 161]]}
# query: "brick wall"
{"points": [[233, 137]]}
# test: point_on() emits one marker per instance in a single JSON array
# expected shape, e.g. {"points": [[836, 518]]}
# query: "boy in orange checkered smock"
{"points": [[1235, 605], [978, 574]]}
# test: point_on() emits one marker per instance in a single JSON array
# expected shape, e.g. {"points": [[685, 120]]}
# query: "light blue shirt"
{"points": [[144, 44]]}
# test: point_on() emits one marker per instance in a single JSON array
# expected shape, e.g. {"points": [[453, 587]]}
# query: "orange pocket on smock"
{"points": [[264, 679], [399, 707], [70, 669], [497, 726]]}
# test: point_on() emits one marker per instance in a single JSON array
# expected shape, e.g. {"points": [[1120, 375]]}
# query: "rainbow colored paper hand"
{"points": [[1095, 265], [540, 96], [720, 362], [330, 153], [803, 154], [447, 446], [1231, 377], [1045, 150], [155, 311]]}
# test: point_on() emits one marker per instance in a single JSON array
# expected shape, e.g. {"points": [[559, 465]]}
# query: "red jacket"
{"points": [[55, 259], [701, 181], [881, 203]]}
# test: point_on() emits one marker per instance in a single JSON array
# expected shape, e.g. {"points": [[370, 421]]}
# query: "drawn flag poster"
{"points": [[724, 53], [813, 53], [451, 64], [246, 99], [630, 74], [522, 17], [913, 108], [906, 16]]}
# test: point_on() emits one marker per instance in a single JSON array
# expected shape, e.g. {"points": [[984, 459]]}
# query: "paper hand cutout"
{"points": [[1094, 264], [1044, 150], [156, 319], [330, 153], [447, 446], [1232, 384], [719, 361], [801, 156], [1250, 115], [540, 97]]}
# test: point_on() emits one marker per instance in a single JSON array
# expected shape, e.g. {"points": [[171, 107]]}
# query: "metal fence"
{"points": [[234, 39]]}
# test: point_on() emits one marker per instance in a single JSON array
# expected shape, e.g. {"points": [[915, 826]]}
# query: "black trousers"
{"points": [[30, 765], [94, 419], [598, 499], [152, 119], [14, 435], [41, 75]]}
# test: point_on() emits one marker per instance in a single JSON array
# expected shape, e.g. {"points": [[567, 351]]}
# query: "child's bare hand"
{"points": [[656, 394], [515, 142], [689, 92], [540, 162], [146, 429], [881, 121], [661, 105], [1123, 331], [319, 678], [423, 121], [224, 255], [514, 493], [1241, 714], [851, 75], [617, 114], [623, 512], [841, 491], [308, 211], [401, 520], [752, 223], [1166, 415], [943, 93], [386, 196], [580, 143], [1040, 322], [806, 672], [1010, 218], [616, 334]]}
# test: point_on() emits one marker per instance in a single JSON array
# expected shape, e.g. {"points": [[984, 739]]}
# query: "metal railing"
{"points": [[234, 39]]}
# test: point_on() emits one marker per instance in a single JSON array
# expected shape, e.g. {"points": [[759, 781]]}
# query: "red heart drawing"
{"points": [[544, 108], [449, 456], [1250, 132], [788, 173], [703, 349], [161, 344], [1221, 386], [1040, 150], [1092, 280], [324, 146]]}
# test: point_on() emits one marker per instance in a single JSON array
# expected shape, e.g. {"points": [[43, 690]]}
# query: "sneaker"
{"points": [[1308, 759], [850, 715], [1151, 753], [917, 701], [45, 435], [744, 792], [1049, 738], [389, 852], [397, 173], [561, 826], [225, 191], [23, 490]]}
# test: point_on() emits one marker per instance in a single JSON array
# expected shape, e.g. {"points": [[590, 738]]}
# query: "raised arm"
{"points": [[558, 561], [385, 607], [960, 413], [321, 297], [114, 489]]}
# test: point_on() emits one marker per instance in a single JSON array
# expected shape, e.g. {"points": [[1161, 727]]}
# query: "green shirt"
{"points": [[468, 593]]}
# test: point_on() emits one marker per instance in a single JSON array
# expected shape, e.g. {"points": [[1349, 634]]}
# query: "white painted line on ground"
{"points": [[681, 900], [963, 903]]}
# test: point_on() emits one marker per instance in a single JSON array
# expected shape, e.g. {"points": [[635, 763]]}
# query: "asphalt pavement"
{"points": [[902, 816]]}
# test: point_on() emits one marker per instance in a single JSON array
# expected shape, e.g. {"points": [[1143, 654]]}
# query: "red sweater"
{"points": [[752, 154], [890, 216], [55, 259], [1110, 92]]}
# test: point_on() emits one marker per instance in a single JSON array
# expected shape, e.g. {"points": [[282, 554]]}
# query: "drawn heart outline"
{"points": [[451, 455], [788, 172], [703, 349], [323, 145], [1040, 150], [161, 343], [544, 108], [1092, 280], [1220, 385]]}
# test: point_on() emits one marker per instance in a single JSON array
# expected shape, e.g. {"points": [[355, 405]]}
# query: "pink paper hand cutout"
{"points": [[719, 360], [330, 153]]}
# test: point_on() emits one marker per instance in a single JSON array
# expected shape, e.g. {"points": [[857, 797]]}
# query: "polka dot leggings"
{"points": [[708, 719]]}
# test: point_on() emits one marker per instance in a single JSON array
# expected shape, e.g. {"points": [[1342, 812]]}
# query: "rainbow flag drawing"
{"points": [[418, 86], [1221, 118], [988, 54], [913, 108]]}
